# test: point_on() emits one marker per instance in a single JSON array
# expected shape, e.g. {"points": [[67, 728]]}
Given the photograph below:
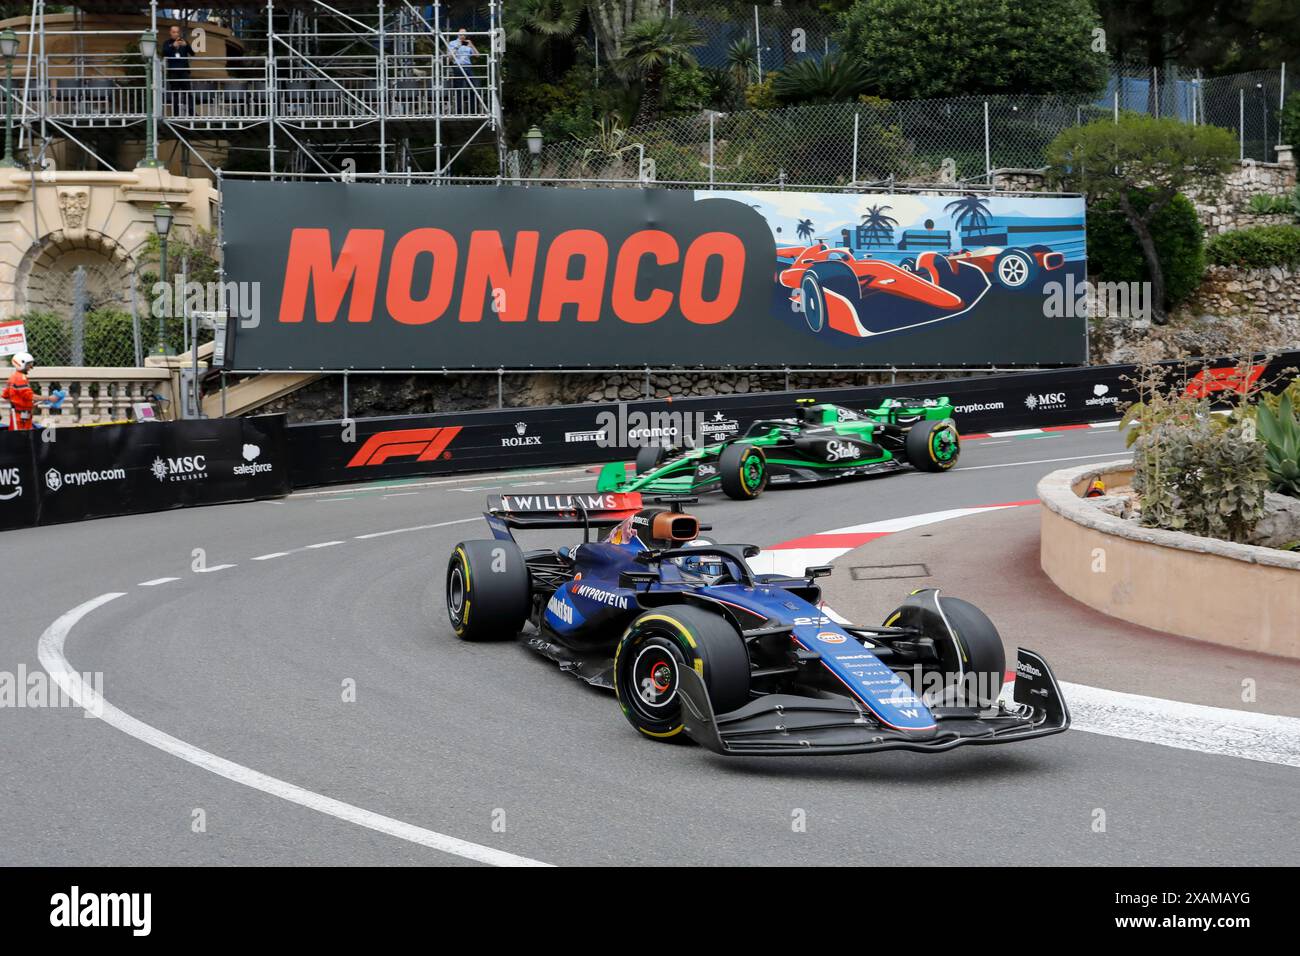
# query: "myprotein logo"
{"points": [[55, 479], [11, 483], [181, 468], [648, 275], [422, 444]]}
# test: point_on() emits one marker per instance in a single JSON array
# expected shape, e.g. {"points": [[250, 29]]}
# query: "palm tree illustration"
{"points": [[876, 229], [969, 213], [805, 230]]}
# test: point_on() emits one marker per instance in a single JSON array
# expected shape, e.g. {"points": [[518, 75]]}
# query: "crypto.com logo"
{"points": [[425, 444]]}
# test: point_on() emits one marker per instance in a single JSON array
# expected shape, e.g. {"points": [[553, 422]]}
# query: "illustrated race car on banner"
{"points": [[822, 443], [694, 642]]}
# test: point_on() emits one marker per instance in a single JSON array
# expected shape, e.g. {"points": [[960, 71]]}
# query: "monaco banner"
{"points": [[364, 276]]}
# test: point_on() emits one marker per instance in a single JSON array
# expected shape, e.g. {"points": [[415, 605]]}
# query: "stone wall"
{"points": [[1233, 310], [1229, 208], [421, 394]]}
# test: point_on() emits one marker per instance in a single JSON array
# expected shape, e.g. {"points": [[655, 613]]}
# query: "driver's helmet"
{"points": [[705, 568]]}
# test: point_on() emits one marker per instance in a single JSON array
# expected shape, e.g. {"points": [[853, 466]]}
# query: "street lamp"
{"points": [[162, 222], [148, 47], [534, 140], [9, 49]]}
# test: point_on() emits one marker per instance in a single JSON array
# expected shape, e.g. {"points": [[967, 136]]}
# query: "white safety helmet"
{"points": [[23, 361]]}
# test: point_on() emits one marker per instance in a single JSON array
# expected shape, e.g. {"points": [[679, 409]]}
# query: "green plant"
{"points": [[1290, 119], [1262, 205], [1115, 255], [49, 337], [1194, 471], [830, 79], [1257, 247], [649, 48], [956, 47], [1280, 433]]}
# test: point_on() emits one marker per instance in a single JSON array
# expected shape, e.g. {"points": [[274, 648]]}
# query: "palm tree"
{"points": [[877, 229], [969, 209], [533, 25], [649, 48], [742, 64], [805, 230], [831, 79]]}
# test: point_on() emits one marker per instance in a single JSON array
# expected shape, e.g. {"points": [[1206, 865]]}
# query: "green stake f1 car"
{"points": [[822, 443]]}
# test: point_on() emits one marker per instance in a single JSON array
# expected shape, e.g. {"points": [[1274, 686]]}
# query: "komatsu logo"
{"points": [[561, 609]]}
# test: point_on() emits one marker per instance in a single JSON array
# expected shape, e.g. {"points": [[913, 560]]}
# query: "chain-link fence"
{"points": [[958, 140], [78, 324]]}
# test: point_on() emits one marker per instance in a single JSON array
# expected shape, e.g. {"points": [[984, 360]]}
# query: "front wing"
{"points": [[784, 725]]}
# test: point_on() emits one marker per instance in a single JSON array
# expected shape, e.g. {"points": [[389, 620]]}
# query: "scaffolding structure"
{"points": [[280, 87]]}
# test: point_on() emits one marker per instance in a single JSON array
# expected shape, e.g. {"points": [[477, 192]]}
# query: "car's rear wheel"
{"points": [[932, 446], [488, 588], [743, 472], [935, 267], [655, 649], [813, 300]]}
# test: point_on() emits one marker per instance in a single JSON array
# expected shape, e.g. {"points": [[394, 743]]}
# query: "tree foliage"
{"points": [[956, 47], [1159, 158]]}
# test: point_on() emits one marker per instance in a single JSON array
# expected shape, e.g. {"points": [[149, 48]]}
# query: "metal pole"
{"points": [[710, 150], [1155, 91], [160, 348], [1241, 124], [988, 155], [758, 45], [151, 71], [382, 80], [271, 92], [1116, 104], [136, 351], [1281, 100], [853, 177], [8, 161]]}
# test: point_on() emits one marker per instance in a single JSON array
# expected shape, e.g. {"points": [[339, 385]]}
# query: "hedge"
{"points": [[1258, 247], [1115, 255]]}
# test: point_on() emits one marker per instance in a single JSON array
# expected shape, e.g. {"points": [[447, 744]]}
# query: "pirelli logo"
{"points": [[422, 444]]}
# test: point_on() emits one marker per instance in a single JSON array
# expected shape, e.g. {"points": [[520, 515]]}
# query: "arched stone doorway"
{"points": [[46, 277]]}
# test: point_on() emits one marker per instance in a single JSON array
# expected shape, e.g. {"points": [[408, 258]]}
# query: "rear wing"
{"points": [[564, 509]]}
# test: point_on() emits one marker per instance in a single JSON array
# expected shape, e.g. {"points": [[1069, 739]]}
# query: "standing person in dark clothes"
{"points": [[176, 57]]}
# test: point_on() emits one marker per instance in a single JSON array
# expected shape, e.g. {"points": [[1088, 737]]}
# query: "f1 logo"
{"points": [[427, 444]]}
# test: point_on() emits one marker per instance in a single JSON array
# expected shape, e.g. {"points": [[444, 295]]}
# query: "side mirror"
{"points": [[819, 571]]}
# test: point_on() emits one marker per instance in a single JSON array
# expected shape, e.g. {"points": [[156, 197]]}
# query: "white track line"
{"points": [[1267, 738], [494, 476], [418, 527], [272, 556], [50, 652], [156, 581], [1037, 461], [215, 567], [323, 544]]}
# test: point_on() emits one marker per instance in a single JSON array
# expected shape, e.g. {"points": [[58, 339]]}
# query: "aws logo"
{"points": [[10, 483], [423, 444], [430, 275]]}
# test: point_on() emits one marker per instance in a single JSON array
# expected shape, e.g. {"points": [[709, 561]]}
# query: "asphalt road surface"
{"points": [[302, 700]]}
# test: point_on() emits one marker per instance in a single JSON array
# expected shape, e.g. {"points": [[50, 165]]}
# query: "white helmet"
{"points": [[23, 360]]}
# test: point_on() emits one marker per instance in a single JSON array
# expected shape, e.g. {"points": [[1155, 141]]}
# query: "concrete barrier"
{"points": [[1237, 595]]}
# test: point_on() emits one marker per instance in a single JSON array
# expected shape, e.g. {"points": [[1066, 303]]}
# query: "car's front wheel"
{"points": [[743, 472], [654, 650]]}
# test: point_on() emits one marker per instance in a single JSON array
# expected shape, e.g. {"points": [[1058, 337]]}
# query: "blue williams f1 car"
{"points": [[695, 644]]}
